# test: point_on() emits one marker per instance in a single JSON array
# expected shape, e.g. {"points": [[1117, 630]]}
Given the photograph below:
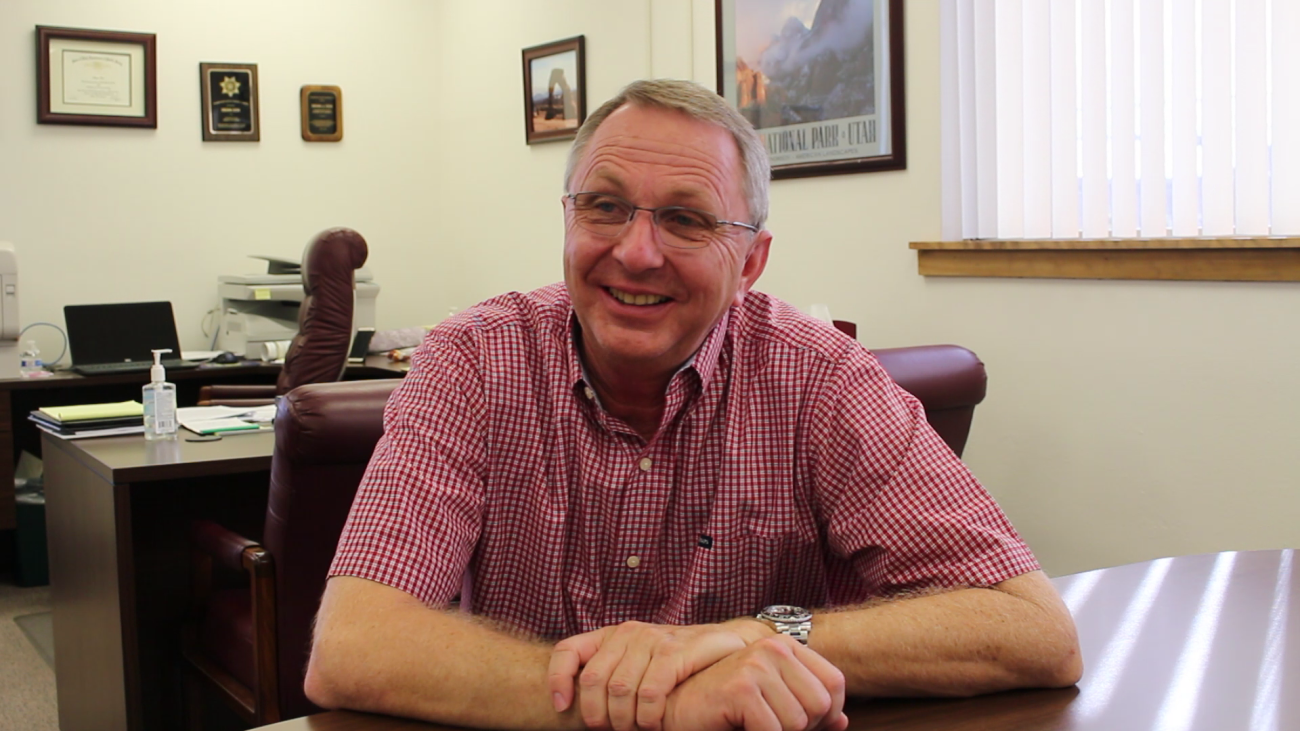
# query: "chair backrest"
{"points": [[324, 435], [319, 352], [948, 380]]}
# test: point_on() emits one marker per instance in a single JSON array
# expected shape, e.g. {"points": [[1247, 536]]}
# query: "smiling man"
{"points": [[667, 500]]}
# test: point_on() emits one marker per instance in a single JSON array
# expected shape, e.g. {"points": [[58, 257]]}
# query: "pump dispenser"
{"points": [[159, 402]]}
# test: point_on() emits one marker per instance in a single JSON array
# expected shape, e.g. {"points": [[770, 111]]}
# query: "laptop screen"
{"points": [[119, 333]]}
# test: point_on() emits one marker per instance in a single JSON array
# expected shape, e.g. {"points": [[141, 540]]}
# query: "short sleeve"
{"points": [[902, 509], [418, 511]]}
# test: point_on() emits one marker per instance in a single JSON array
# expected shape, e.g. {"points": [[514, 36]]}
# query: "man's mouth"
{"points": [[639, 300]]}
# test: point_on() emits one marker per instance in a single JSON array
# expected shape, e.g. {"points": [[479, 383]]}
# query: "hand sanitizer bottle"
{"points": [[159, 402]]}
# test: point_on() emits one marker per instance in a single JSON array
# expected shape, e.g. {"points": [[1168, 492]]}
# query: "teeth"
{"points": [[637, 299]]}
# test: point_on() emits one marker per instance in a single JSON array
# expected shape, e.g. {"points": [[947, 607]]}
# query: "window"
{"points": [[1116, 126]]}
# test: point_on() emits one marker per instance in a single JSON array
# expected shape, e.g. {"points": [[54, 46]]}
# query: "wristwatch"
{"points": [[789, 620]]}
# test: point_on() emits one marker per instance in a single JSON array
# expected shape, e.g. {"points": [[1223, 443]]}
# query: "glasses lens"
{"points": [[602, 214], [686, 227]]}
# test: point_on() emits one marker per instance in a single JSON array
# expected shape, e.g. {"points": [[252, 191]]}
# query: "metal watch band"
{"points": [[797, 630]]}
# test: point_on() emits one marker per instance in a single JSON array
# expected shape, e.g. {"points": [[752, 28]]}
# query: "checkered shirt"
{"points": [[788, 468]]}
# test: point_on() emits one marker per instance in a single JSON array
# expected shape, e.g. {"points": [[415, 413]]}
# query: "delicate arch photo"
{"points": [[555, 90]]}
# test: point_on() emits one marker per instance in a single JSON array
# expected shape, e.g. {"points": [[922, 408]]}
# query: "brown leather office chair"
{"points": [[319, 352], [252, 642]]}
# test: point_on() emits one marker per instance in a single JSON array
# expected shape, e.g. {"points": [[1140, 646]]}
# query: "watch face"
{"points": [[786, 613]]}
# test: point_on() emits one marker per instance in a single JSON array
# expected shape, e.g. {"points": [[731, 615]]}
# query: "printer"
{"points": [[259, 312]]}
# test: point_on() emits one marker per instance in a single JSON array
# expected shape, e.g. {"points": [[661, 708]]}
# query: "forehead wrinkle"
{"points": [[647, 149], [693, 163]]}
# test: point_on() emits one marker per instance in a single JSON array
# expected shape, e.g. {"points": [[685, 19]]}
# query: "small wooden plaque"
{"points": [[322, 113]]}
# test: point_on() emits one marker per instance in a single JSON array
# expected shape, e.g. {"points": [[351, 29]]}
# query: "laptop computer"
{"points": [[121, 338]]}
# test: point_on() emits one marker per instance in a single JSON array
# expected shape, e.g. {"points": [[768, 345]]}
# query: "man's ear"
{"points": [[755, 263]]}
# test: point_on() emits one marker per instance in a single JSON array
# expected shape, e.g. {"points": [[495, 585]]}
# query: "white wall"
{"points": [[1125, 420], [101, 214]]}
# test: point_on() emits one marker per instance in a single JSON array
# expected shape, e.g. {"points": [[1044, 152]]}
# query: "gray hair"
{"points": [[696, 102]]}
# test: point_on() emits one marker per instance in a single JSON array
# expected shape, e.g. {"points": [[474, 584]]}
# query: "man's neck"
{"points": [[635, 396]]}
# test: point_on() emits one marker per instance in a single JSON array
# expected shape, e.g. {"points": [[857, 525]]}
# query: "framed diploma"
{"points": [[98, 77], [821, 81], [322, 113], [555, 90], [230, 107]]}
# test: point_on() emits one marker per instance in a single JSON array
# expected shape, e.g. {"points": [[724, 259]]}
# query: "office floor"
{"points": [[27, 695]]}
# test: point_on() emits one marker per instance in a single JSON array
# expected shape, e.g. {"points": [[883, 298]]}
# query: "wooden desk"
{"points": [[19, 396], [1194, 643], [117, 511]]}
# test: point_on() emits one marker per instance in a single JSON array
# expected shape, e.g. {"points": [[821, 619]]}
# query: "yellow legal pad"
{"points": [[82, 412]]}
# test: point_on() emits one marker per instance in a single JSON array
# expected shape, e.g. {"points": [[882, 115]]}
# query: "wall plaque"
{"points": [[322, 113], [230, 108]]}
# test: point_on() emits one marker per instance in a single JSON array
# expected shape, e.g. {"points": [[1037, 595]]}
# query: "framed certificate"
{"points": [[322, 113], [230, 108], [821, 81], [97, 77]]}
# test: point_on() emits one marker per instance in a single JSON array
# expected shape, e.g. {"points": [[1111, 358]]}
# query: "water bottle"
{"points": [[29, 363]]}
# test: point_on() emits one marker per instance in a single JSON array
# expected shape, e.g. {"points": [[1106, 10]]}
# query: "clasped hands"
{"points": [[716, 677]]}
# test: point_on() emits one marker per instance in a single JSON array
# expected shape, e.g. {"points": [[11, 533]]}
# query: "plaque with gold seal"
{"points": [[230, 107], [322, 113]]}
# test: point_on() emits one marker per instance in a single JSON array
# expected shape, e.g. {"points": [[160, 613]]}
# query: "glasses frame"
{"points": [[654, 217]]}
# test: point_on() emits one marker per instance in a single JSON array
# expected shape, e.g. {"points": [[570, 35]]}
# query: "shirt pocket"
{"points": [[749, 559]]}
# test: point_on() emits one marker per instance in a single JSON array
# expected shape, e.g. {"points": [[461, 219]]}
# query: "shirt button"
{"points": [[633, 561], [590, 393], [645, 464]]}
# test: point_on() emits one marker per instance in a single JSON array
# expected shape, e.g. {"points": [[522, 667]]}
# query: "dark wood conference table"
{"points": [[1195, 643]]}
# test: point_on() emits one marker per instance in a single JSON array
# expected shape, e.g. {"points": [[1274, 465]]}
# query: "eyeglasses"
{"points": [[684, 228]]}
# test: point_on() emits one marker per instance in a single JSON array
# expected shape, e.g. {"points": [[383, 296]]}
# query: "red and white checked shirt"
{"points": [[788, 468]]}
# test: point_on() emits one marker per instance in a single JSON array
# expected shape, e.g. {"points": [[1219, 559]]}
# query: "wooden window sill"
{"points": [[1262, 259]]}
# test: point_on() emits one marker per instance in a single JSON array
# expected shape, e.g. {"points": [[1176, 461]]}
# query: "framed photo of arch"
{"points": [[821, 81], [555, 90]]}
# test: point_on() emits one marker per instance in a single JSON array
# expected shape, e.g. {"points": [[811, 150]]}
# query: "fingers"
{"points": [[662, 675], [799, 686], [625, 672], [817, 686], [623, 689], [775, 684], [593, 680], [568, 656], [671, 664]]}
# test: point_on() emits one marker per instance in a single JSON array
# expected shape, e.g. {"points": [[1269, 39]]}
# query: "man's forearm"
{"points": [[963, 642], [379, 649]]}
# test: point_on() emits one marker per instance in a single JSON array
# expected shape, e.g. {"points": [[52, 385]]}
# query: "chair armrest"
{"points": [[214, 544], [221, 544], [236, 395]]}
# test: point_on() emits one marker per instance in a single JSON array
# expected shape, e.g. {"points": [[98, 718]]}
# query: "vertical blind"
{"points": [[1120, 118]]}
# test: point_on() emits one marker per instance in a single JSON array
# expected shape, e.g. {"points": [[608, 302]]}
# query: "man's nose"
{"points": [[638, 248]]}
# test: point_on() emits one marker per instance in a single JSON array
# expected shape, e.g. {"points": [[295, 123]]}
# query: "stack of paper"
{"points": [[223, 419], [90, 420]]}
